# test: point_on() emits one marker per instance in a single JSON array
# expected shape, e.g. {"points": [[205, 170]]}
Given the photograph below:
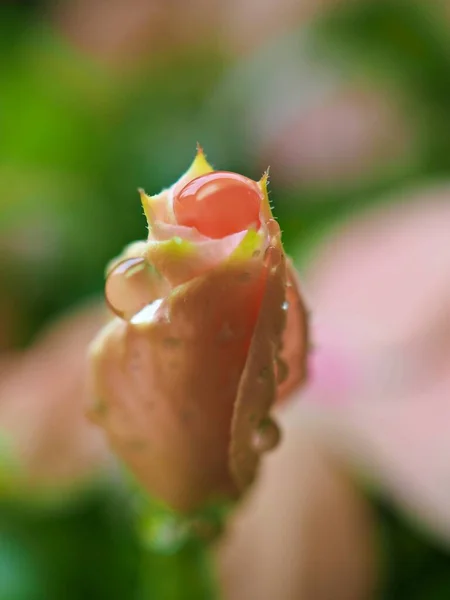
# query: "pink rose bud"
{"points": [[210, 329]]}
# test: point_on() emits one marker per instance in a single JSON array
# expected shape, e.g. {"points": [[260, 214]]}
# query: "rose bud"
{"points": [[210, 328]]}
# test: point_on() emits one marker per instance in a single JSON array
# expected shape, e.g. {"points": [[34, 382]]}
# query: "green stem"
{"points": [[176, 550], [183, 575]]}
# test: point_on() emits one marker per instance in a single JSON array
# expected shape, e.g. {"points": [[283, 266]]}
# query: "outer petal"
{"points": [[257, 389], [294, 352], [166, 387]]}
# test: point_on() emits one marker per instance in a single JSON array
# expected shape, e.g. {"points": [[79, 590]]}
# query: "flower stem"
{"points": [[176, 550], [183, 575]]}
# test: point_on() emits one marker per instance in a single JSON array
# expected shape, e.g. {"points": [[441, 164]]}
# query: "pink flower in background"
{"points": [[50, 446], [379, 286], [383, 282], [210, 317], [376, 407], [351, 133]]}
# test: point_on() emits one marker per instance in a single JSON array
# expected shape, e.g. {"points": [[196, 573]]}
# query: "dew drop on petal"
{"points": [[219, 204], [266, 436], [272, 257], [273, 228], [130, 286]]}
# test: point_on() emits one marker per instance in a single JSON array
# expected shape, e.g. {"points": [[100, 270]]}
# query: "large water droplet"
{"points": [[218, 204], [266, 436], [131, 285]]}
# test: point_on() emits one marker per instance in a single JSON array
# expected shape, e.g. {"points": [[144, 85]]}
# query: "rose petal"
{"points": [[179, 260], [167, 388], [294, 351], [165, 231], [257, 388]]}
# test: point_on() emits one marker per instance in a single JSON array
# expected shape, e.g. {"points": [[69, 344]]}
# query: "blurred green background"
{"points": [[347, 101]]}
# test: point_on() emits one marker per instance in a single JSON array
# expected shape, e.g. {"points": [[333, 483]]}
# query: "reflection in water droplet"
{"points": [[266, 436], [282, 370], [147, 314], [131, 285]]}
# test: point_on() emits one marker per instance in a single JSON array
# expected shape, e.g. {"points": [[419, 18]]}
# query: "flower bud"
{"points": [[185, 376]]}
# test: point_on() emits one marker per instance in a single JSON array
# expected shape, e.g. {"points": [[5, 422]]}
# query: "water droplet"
{"points": [[273, 228], [147, 314], [266, 437], [218, 204], [285, 305], [131, 285], [272, 258]]}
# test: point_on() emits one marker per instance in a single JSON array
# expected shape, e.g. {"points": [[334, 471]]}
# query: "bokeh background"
{"points": [[348, 101]]}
